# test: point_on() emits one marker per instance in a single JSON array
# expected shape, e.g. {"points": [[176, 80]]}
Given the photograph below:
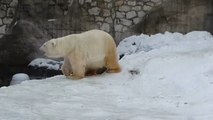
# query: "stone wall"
{"points": [[7, 11], [120, 18], [61, 17]]}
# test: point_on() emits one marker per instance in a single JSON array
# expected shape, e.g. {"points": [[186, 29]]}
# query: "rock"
{"points": [[147, 8], [131, 3], [108, 20], [126, 22], [107, 1], [106, 12], [119, 2], [10, 12], [94, 11], [7, 21], [136, 20], [118, 28], [136, 8], [124, 8], [14, 3], [2, 29], [2, 13], [131, 14], [6, 1], [120, 14], [99, 19], [21, 44], [105, 27], [1, 23], [141, 14], [81, 2]]}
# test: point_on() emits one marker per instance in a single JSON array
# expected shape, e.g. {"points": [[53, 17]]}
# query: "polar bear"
{"points": [[84, 53]]}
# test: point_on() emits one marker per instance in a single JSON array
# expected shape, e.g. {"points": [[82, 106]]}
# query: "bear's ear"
{"points": [[53, 43]]}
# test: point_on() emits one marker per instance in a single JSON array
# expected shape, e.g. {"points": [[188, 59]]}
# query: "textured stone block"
{"points": [[131, 14]]}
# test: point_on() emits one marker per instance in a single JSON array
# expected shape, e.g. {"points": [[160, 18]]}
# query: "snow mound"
{"points": [[19, 78], [171, 81], [46, 63], [146, 43]]}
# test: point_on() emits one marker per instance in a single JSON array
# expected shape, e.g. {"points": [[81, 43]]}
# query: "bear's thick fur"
{"points": [[84, 53]]}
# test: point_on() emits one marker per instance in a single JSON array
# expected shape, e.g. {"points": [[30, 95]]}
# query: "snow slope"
{"points": [[172, 80]]}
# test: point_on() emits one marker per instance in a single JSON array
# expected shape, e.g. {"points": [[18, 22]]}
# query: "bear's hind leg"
{"points": [[112, 63]]}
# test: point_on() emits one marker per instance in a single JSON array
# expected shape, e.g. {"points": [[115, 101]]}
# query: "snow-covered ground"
{"points": [[164, 77]]}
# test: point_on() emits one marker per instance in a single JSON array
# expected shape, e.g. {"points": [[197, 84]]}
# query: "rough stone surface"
{"points": [[141, 14], [14, 3], [2, 29], [147, 8], [109, 20], [136, 20], [124, 8], [1, 23], [99, 19], [94, 11], [131, 3], [118, 28], [7, 20], [105, 27], [136, 8], [126, 22], [131, 14], [120, 14], [106, 12], [2, 13]]}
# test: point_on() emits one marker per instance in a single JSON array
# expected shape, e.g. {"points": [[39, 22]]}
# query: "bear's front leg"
{"points": [[78, 67], [66, 67]]}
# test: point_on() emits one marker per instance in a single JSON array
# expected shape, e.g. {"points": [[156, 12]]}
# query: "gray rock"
{"points": [[124, 8], [7, 21], [131, 14], [147, 8], [10, 12], [21, 44], [105, 27], [81, 2], [1, 23], [136, 8], [106, 12], [109, 20], [2, 29], [126, 22], [14, 3], [2, 13], [141, 14], [99, 19], [131, 3], [94, 11], [118, 28], [136, 20], [120, 14]]}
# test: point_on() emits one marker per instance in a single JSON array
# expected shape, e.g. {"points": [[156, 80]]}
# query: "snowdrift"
{"points": [[164, 77]]}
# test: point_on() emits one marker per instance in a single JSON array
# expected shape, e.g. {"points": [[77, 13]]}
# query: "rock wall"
{"points": [[61, 17], [7, 12]]}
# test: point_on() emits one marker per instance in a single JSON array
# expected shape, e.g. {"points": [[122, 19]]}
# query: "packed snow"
{"points": [[19, 78], [46, 63], [164, 77]]}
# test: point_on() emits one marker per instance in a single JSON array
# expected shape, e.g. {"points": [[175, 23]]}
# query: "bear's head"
{"points": [[50, 49]]}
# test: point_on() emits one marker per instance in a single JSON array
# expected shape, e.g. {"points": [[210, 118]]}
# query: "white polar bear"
{"points": [[84, 53]]}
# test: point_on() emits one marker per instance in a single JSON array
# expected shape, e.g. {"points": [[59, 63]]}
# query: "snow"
{"points": [[165, 77], [19, 78], [46, 63]]}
